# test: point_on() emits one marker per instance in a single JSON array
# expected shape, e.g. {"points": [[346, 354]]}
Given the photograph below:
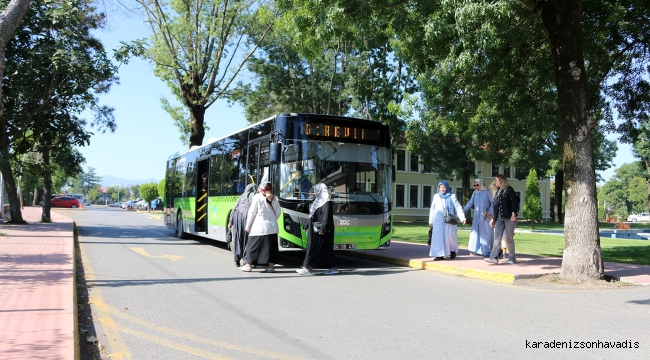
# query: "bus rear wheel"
{"points": [[179, 228]]}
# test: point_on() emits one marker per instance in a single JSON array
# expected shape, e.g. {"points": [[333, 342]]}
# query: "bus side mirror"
{"points": [[275, 152], [393, 174]]}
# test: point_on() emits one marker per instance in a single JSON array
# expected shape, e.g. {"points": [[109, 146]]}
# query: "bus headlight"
{"points": [[385, 228]]}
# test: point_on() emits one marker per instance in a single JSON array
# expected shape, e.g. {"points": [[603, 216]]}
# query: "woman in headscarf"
{"points": [[237, 223], [320, 243], [444, 237], [262, 229], [480, 239]]}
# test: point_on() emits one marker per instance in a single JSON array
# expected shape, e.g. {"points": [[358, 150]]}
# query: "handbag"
{"points": [[449, 219], [430, 235], [317, 227]]}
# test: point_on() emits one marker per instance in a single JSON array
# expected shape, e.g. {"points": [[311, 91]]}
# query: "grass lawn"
{"points": [[614, 250]]}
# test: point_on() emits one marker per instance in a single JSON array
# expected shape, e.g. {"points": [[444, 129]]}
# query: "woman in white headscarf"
{"points": [[444, 236], [320, 243], [480, 239], [237, 223], [262, 229]]}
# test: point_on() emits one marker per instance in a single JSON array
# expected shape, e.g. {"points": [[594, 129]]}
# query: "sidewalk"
{"points": [[37, 295], [527, 266]]}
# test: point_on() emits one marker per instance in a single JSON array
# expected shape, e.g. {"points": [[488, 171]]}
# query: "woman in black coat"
{"points": [[320, 243], [504, 219]]}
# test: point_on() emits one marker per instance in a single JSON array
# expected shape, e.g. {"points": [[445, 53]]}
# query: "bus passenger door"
{"points": [[258, 163], [201, 206]]}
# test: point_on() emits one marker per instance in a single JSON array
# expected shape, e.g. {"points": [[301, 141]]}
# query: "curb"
{"points": [[446, 269], [77, 350]]}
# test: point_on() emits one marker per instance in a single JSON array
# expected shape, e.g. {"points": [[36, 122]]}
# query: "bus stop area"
{"points": [[38, 290]]}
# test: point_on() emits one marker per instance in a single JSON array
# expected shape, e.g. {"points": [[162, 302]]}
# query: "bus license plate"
{"points": [[345, 246]]}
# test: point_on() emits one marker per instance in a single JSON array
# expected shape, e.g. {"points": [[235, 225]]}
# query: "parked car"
{"points": [[129, 205], [115, 205], [639, 217], [66, 201], [142, 205]]}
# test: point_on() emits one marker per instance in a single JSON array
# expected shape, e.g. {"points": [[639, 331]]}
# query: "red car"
{"points": [[66, 201]]}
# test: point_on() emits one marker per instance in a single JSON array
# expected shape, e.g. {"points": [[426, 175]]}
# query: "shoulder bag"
{"points": [[449, 219]]}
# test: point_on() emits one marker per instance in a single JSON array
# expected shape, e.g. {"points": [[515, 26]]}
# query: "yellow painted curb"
{"points": [[435, 266]]}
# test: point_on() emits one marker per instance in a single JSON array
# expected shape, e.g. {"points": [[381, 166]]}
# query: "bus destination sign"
{"points": [[340, 132]]}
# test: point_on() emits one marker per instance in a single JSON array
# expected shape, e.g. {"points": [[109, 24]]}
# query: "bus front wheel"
{"points": [[179, 228]]}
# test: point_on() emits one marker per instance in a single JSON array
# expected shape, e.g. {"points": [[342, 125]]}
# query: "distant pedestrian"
{"points": [[320, 245], [262, 228], [482, 235], [504, 219], [237, 223], [444, 237]]}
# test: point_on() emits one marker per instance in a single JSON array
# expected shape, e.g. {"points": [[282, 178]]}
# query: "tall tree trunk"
{"points": [[9, 20], [12, 195], [47, 186], [559, 189], [582, 258], [38, 195], [197, 118]]}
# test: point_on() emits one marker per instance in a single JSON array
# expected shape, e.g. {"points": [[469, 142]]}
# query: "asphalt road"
{"points": [[156, 297]]}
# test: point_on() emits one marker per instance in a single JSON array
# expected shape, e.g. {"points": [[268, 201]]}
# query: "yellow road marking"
{"points": [[144, 252], [188, 336], [115, 341]]}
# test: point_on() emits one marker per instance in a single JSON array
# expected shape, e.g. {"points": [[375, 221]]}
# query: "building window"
{"points": [[521, 174], [426, 196], [399, 195], [413, 196], [414, 163], [506, 171], [401, 160], [495, 170]]}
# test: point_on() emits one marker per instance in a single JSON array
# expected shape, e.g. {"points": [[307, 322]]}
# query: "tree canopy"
{"points": [[199, 48]]}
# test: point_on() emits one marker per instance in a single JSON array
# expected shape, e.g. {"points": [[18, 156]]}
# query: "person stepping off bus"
{"points": [[320, 238]]}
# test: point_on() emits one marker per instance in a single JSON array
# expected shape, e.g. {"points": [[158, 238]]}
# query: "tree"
{"points": [[199, 48], [94, 192], [135, 191], [149, 192], [626, 191], [9, 20], [507, 43], [62, 69], [532, 202], [90, 179], [161, 189]]}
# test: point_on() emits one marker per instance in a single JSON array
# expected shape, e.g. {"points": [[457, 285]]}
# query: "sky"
{"points": [[146, 136]]}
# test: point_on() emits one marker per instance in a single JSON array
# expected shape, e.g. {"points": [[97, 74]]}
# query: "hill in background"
{"points": [[114, 180]]}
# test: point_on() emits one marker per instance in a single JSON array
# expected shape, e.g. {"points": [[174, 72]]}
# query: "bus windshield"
{"points": [[352, 172]]}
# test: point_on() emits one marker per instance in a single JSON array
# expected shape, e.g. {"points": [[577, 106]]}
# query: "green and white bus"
{"points": [[294, 152]]}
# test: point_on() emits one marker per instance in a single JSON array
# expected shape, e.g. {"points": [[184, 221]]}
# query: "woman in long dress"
{"points": [[262, 229], [237, 223], [480, 239], [444, 237], [320, 244]]}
